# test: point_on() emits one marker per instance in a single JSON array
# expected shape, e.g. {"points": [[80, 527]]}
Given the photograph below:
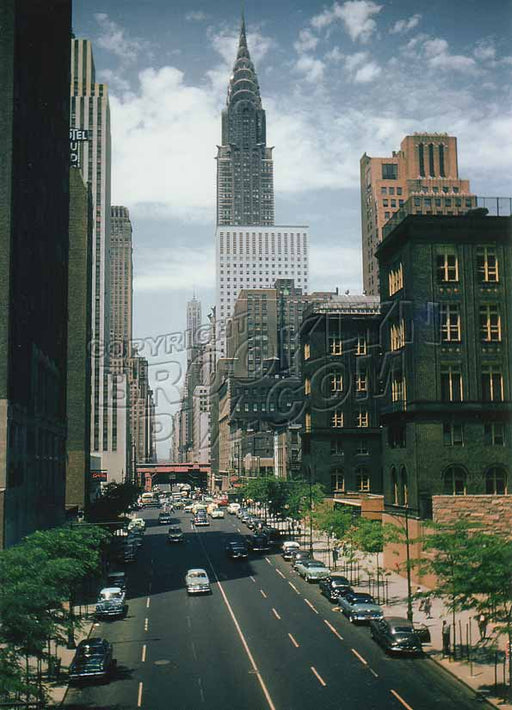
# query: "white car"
{"points": [[108, 593], [197, 582], [189, 508], [217, 513], [233, 507]]}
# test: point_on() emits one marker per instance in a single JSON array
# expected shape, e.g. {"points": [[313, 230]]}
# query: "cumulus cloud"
{"points": [[115, 39], [485, 50], [196, 16], [307, 41], [402, 26], [355, 60], [368, 72], [356, 15], [225, 43], [311, 69], [438, 56]]}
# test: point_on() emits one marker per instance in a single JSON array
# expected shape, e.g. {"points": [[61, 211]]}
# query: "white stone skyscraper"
{"points": [[251, 252], [193, 326]]}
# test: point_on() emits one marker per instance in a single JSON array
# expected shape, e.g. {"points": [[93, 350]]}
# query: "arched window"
{"points": [[404, 487], [496, 480], [337, 480], [362, 479], [441, 161], [431, 168], [454, 481], [394, 485], [421, 160]]}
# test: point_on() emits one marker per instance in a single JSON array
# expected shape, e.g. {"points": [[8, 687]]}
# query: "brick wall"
{"points": [[492, 511]]}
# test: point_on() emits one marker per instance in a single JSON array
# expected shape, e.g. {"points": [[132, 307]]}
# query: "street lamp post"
{"points": [[310, 510], [407, 558]]}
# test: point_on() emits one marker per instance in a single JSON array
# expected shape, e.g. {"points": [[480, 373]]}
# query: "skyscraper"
{"points": [[193, 325], [121, 286], [251, 252], [425, 165], [245, 186]]}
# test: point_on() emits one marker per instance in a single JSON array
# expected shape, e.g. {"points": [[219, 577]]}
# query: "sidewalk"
{"points": [[485, 669]]}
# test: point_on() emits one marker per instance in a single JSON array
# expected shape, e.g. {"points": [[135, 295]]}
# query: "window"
{"points": [[451, 384], [361, 381], [397, 436], [336, 447], [362, 448], [395, 279], [398, 389], [492, 385], [441, 161], [432, 172], [389, 171], [494, 434], [362, 418], [496, 481], [362, 479], [337, 419], [490, 323], [307, 423], [454, 481], [397, 336], [307, 351], [404, 497], [394, 485], [487, 265], [361, 345], [453, 434], [336, 383], [447, 267], [421, 160], [383, 190], [335, 345], [337, 480], [307, 386], [450, 322]]}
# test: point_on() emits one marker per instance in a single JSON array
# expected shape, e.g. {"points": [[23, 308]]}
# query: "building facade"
{"points": [[34, 221], [121, 287], [193, 334], [426, 166]]}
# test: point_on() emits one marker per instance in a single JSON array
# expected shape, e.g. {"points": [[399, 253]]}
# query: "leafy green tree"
{"points": [[113, 503]]}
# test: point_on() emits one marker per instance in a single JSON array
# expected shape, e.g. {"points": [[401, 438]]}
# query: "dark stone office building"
{"points": [[34, 214]]}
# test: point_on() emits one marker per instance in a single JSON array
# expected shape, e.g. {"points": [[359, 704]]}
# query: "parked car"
{"points": [[137, 523], [241, 511], [93, 660], [232, 508], [288, 547], [175, 534], [273, 534], [217, 513], [300, 556], [258, 543], [164, 518], [396, 635], [197, 582], [117, 579], [312, 570], [359, 607], [112, 608], [189, 508], [237, 550], [112, 593], [334, 586]]}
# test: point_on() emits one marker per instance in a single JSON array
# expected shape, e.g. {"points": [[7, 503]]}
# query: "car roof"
{"points": [[197, 569], [398, 620], [110, 590], [117, 575]]}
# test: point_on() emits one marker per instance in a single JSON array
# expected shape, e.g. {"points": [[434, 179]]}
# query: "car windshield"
{"points": [[340, 583], [402, 630], [361, 599], [197, 575]]}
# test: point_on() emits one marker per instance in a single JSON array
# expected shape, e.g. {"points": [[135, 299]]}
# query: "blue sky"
{"points": [[337, 80]]}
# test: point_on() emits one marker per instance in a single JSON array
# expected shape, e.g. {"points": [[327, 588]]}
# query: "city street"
{"points": [[262, 639]]}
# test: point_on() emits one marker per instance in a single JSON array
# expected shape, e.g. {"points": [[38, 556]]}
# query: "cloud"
{"points": [[354, 60], [312, 69], [196, 16], [334, 55], [438, 56], [402, 26], [485, 50], [225, 43], [174, 269], [360, 68], [307, 41], [356, 15], [369, 72], [114, 38]]}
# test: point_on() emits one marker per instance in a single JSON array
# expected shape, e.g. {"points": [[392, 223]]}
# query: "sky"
{"points": [[337, 80]]}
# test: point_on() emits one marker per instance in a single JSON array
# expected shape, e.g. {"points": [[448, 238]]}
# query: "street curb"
{"points": [[480, 698]]}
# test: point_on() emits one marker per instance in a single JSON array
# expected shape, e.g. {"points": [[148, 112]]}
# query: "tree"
{"points": [[114, 502]]}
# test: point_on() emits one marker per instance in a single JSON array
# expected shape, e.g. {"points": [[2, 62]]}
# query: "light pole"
{"points": [[406, 509], [310, 510]]}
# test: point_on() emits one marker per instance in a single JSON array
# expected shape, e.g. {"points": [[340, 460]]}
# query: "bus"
{"points": [[148, 499]]}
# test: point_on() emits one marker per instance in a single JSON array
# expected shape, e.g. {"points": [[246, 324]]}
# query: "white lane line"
{"points": [[252, 578], [318, 676], [293, 641], [239, 530], [139, 696], [201, 692], [358, 655], [143, 656], [268, 560], [292, 585], [335, 631], [263, 593], [373, 672], [276, 614], [146, 624], [148, 602], [257, 673], [311, 605], [280, 573], [400, 700]]}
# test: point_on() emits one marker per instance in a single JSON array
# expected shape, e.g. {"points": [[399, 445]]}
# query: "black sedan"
{"points": [[236, 550], [396, 635], [334, 586], [258, 543], [93, 660]]}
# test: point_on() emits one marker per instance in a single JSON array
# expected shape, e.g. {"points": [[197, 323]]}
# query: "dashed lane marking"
{"points": [[358, 655], [311, 605], [143, 656], [270, 563], [146, 624], [139, 695], [293, 641], [373, 672], [148, 602], [292, 585], [252, 578], [201, 691], [263, 593], [280, 573], [318, 676], [401, 700], [276, 614], [335, 631]]}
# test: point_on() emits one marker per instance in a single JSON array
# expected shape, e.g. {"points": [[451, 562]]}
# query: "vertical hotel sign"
{"points": [[77, 136]]}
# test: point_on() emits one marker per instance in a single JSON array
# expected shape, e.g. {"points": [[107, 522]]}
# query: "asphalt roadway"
{"points": [[263, 640]]}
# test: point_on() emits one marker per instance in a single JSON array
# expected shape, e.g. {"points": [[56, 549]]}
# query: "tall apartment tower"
{"points": [[121, 286], [90, 111], [251, 252], [34, 251], [245, 185], [425, 165], [193, 325]]}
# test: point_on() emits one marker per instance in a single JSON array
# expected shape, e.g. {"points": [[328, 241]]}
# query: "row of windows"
{"points": [[452, 389], [487, 265], [489, 320], [361, 479], [455, 481], [361, 420], [336, 382]]}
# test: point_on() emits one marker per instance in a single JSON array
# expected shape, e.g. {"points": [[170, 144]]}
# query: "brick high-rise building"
{"points": [[425, 166]]}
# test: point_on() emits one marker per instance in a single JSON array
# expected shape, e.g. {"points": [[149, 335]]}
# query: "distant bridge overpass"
{"points": [[155, 474]]}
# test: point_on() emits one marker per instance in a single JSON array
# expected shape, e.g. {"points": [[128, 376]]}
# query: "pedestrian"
{"points": [[419, 596], [482, 626], [445, 633], [427, 607]]}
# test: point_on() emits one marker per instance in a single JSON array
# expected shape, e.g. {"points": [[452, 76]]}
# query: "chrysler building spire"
{"points": [[245, 189]]}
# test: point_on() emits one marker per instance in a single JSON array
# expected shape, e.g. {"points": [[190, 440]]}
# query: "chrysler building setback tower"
{"points": [[245, 184]]}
